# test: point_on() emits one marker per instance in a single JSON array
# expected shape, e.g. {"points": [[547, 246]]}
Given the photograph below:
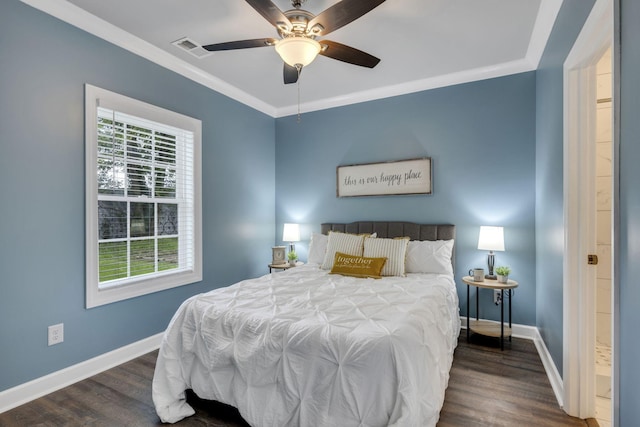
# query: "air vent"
{"points": [[187, 44], [192, 47]]}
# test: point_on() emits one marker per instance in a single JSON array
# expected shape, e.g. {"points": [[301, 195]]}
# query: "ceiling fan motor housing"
{"points": [[299, 19]]}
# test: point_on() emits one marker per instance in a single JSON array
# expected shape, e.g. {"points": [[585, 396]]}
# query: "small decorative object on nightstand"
{"points": [[484, 327], [292, 257], [503, 274], [278, 255]]}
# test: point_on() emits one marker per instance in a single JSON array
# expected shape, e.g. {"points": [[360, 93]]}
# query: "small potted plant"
{"points": [[292, 258], [503, 274]]}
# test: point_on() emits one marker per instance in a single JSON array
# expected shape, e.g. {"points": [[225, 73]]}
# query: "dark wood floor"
{"points": [[488, 387]]}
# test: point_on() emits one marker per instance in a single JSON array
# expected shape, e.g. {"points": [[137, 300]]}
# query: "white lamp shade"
{"points": [[298, 50], [291, 233], [491, 238]]}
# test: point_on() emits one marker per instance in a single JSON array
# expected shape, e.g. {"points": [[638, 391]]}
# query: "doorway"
{"points": [[588, 222]]}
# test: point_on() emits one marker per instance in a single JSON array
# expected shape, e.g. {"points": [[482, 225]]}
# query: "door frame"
{"points": [[579, 279]]}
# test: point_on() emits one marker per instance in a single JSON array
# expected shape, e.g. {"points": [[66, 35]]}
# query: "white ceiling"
{"points": [[422, 44]]}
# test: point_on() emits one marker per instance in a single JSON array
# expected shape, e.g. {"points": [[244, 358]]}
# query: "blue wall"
{"points": [[629, 292], [549, 227], [481, 138], [44, 65], [549, 174]]}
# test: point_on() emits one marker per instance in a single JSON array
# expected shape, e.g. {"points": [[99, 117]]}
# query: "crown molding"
{"points": [[546, 18], [90, 23], [476, 74], [82, 19]]}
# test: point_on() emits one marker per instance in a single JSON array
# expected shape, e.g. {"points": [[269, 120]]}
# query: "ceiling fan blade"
{"points": [[348, 54], [342, 13], [240, 44], [271, 13], [290, 74]]}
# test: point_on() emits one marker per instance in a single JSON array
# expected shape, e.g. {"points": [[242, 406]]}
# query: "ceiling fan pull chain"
{"points": [[299, 68]]}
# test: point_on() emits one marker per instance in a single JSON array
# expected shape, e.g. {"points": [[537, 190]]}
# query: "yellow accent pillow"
{"points": [[357, 266]]}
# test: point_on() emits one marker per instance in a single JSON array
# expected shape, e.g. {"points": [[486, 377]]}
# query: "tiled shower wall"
{"points": [[604, 186], [604, 198]]}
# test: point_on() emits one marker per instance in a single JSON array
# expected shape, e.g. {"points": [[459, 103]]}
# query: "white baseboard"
{"points": [[550, 368], [532, 333], [39, 387], [42, 386]]}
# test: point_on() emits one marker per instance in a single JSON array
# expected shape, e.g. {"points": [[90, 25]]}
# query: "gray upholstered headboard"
{"points": [[387, 229], [390, 229]]}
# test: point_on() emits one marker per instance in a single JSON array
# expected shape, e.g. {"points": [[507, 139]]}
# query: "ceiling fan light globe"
{"points": [[298, 50]]}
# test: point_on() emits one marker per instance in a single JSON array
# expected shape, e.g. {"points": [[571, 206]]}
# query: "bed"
{"points": [[306, 347]]}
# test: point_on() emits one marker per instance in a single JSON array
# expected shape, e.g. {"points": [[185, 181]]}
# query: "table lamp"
{"points": [[491, 239], [291, 234]]}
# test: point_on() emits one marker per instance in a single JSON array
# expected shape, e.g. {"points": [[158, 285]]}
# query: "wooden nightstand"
{"points": [[278, 267], [484, 327], [283, 266]]}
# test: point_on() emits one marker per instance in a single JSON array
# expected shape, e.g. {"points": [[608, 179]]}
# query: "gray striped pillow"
{"points": [[395, 250], [350, 244]]}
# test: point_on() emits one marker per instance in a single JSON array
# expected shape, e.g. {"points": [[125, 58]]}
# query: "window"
{"points": [[143, 214]]}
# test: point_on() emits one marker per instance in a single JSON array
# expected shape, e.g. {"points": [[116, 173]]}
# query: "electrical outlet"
{"points": [[56, 334], [497, 297]]}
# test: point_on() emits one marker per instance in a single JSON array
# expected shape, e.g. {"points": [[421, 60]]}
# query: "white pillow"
{"points": [[429, 256], [350, 244], [317, 248], [395, 250]]}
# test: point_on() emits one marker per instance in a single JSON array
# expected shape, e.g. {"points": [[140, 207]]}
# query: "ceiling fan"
{"points": [[298, 30]]}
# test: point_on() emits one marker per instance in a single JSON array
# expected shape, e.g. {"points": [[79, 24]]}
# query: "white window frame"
{"points": [[131, 287]]}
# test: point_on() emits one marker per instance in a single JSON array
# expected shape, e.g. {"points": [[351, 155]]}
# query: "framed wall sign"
{"points": [[387, 178]]}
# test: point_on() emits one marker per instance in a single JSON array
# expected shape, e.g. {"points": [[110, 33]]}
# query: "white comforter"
{"points": [[306, 348]]}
